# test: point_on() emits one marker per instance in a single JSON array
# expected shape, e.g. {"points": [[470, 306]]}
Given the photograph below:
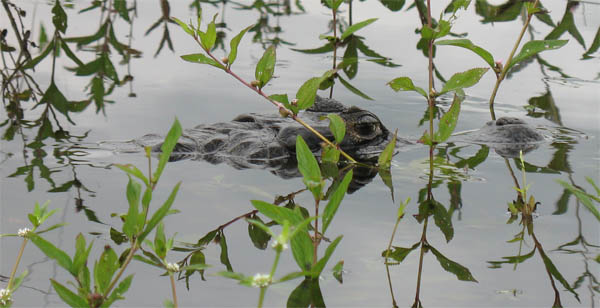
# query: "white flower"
{"points": [[5, 297], [24, 232], [173, 267], [261, 280]]}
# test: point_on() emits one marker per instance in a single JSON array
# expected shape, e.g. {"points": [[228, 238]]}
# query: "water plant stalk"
{"points": [[335, 44], [173, 290], [280, 106], [510, 57], [132, 251], [14, 270], [316, 239], [422, 254]]}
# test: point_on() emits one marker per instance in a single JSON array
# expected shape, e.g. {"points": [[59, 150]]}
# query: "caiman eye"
{"points": [[366, 126]]}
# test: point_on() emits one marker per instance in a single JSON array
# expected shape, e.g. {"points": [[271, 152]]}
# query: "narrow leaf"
{"points": [[167, 148], [534, 47], [335, 200], [68, 296], [465, 43], [200, 58], [234, 45], [464, 79], [265, 67], [405, 84], [357, 26]]}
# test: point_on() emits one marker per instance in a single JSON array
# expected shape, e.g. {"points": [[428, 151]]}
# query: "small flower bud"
{"points": [[225, 60], [294, 102], [254, 83], [261, 280], [284, 112], [24, 232], [173, 267]]}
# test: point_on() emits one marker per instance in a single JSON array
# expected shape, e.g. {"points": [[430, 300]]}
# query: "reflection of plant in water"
{"points": [[526, 207], [262, 29]]}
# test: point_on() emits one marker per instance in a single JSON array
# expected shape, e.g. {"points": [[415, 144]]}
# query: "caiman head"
{"points": [[366, 137]]}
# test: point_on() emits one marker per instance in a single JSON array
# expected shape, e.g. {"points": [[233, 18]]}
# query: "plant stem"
{"points": [[316, 239], [278, 105], [134, 248], [261, 297], [334, 12], [510, 57], [423, 243], [173, 290], [14, 270]]}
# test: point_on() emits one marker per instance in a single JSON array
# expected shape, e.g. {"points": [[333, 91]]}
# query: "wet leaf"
{"points": [[234, 45], [554, 271], [265, 67], [582, 196], [385, 158], [443, 220], [200, 58], [534, 47], [464, 79], [302, 246], [357, 26], [33, 62], [461, 272], [323, 261], [399, 253], [354, 89], [308, 167], [447, 122], [393, 5], [59, 18], [405, 84], [335, 200], [337, 127], [167, 148], [259, 237], [465, 43], [68, 296], [224, 256], [105, 268], [306, 294], [53, 252], [338, 271], [160, 213]]}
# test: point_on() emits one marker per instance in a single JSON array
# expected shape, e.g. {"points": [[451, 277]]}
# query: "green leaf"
{"points": [[183, 26], [443, 220], [265, 67], [357, 26], [259, 233], [291, 276], [209, 38], [337, 127], [328, 252], [308, 167], [534, 47], [81, 254], [591, 181], [54, 97], [461, 272], [118, 292], [68, 296], [18, 280], [385, 158], [84, 40], [53, 252], [133, 170], [338, 271], [465, 43], [405, 84], [335, 200], [160, 213], [306, 294], [234, 45], [160, 241], [200, 58], [69, 52], [583, 197], [302, 246], [393, 5], [224, 257], [464, 79], [105, 268], [166, 148], [59, 18], [133, 197], [447, 122], [121, 7], [353, 89], [307, 92], [399, 253]]}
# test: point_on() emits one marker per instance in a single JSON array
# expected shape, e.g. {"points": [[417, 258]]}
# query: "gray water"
{"points": [[166, 87]]}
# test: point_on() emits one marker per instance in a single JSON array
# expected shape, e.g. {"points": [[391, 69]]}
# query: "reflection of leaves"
{"points": [[594, 47], [556, 274], [504, 12], [399, 253], [534, 47], [584, 197], [308, 293], [562, 203], [546, 103], [393, 5], [461, 272], [447, 122], [566, 24], [476, 159], [442, 219], [511, 260]]}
